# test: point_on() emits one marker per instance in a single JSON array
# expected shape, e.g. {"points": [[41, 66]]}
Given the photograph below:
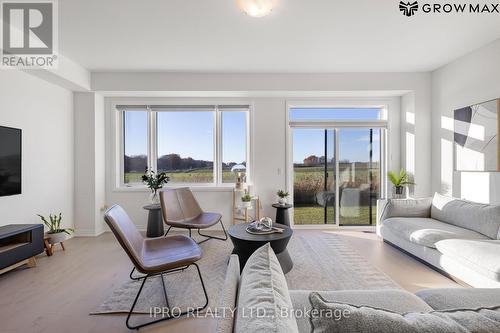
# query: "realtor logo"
{"points": [[407, 8], [29, 36]]}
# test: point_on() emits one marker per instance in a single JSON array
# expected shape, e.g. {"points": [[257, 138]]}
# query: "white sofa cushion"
{"points": [[349, 318], [460, 298], [482, 218], [426, 231], [227, 298], [264, 304], [482, 255], [399, 301], [407, 208]]}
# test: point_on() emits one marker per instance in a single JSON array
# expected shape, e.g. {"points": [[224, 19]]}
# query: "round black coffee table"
{"points": [[245, 244]]}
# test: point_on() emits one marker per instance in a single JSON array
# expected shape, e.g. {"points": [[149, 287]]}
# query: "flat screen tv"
{"points": [[10, 161]]}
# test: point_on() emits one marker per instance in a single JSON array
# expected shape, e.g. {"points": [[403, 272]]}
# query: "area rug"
{"points": [[323, 261]]}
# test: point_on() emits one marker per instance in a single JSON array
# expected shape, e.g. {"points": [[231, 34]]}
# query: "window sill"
{"points": [[194, 188]]}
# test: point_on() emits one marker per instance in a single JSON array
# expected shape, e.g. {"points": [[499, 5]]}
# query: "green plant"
{"points": [[282, 194], [246, 197], [400, 179], [154, 181], [54, 224]]}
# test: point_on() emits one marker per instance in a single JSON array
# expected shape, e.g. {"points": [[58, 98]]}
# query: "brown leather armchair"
{"points": [[181, 210], [153, 256]]}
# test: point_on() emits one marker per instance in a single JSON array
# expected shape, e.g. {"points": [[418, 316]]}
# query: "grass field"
{"points": [[310, 180], [195, 176], [315, 215]]}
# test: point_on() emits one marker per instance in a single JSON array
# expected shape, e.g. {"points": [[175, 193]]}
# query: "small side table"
{"points": [[155, 220], [282, 216]]}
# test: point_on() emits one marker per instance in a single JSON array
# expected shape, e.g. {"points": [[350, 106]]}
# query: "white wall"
{"points": [[45, 114], [471, 79], [89, 156]]}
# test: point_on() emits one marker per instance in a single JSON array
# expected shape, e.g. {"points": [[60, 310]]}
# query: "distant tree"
{"points": [[311, 160], [135, 163]]}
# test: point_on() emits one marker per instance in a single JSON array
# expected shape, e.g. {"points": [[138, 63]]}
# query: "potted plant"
{"points": [[283, 195], [246, 199], [399, 181], [56, 233], [154, 181]]}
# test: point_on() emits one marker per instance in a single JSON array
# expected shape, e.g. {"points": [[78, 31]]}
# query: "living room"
{"points": [[230, 166]]}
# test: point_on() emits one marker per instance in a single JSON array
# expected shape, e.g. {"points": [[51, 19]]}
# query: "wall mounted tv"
{"points": [[10, 161]]}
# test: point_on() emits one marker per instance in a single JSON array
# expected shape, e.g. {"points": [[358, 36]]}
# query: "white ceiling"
{"points": [[299, 36]]}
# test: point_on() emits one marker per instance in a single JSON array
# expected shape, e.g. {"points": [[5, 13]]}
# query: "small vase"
{"points": [[282, 201], [154, 198]]}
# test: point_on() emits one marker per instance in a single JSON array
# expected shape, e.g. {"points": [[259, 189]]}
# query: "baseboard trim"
{"points": [[88, 233]]}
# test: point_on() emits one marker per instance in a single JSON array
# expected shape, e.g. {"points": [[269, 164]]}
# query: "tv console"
{"points": [[19, 244]]}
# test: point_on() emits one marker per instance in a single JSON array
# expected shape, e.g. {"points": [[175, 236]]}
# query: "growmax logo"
{"points": [[28, 34], [409, 9]]}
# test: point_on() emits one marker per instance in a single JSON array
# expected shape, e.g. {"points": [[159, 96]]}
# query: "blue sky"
{"points": [[189, 134], [353, 143]]}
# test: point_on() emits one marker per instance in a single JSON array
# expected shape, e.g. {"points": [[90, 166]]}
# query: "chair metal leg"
{"points": [[137, 278], [213, 237], [164, 290], [170, 227], [196, 310]]}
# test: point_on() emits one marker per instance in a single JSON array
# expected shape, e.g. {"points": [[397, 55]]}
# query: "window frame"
{"points": [[152, 157]]}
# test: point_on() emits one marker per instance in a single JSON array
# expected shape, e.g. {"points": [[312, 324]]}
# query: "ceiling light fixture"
{"points": [[256, 8]]}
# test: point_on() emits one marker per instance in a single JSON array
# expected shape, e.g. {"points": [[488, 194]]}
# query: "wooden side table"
{"points": [[49, 248], [246, 216]]}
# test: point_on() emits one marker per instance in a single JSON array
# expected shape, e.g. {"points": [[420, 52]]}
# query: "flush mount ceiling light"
{"points": [[256, 8]]}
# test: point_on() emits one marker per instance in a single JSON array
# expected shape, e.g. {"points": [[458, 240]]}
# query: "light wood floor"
{"points": [[57, 295]]}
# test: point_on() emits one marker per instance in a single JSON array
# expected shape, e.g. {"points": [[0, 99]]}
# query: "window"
{"points": [[332, 114], [185, 146], [234, 138], [192, 144], [135, 145]]}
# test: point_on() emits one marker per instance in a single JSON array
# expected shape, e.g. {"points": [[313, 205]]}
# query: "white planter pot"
{"points": [[282, 201], [246, 204], [57, 237]]}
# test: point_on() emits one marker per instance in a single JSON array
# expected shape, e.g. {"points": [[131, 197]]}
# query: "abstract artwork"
{"points": [[476, 137]]}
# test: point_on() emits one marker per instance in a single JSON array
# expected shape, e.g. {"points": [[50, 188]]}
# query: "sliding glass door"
{"points": [[359, 175], [336, 175], [314, 176]]}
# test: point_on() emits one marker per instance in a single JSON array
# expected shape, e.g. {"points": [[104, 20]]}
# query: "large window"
{"points": [[192, 144]]}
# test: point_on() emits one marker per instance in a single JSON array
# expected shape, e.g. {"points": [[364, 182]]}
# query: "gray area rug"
{"points": [[321, 262]]}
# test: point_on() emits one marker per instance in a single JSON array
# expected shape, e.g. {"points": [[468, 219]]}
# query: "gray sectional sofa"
{"points": [[259, 300], [458, 237]]}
